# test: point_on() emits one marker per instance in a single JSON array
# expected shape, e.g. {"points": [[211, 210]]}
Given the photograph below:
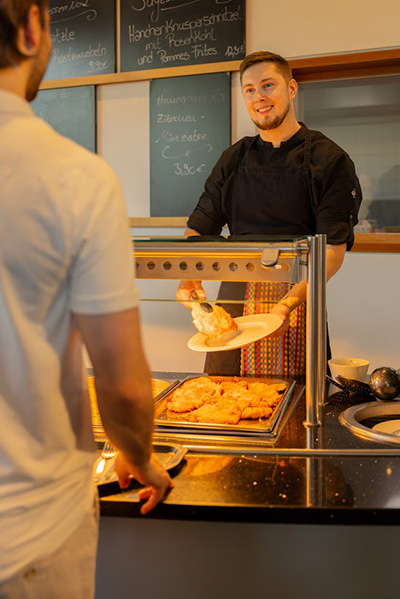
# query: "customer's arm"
{"points": [[124, 394]]}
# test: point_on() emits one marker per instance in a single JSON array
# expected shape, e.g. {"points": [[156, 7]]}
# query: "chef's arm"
{"points": [[298, 293], [186, 288], [124, 395]]}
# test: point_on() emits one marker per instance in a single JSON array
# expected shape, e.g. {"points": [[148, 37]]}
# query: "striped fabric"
{"points": [[284, 355]]}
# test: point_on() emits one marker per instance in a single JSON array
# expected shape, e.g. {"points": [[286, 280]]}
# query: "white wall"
{"points": [[362, 297], [314, 27], [363, 313], [123, 139]]}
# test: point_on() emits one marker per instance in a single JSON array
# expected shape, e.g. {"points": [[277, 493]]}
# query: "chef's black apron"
{"points": [[267, 201]]}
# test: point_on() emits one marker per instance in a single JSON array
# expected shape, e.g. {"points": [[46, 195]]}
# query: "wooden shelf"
{"points": [[377, 243], [364, 242], [315, 68], [146, 75], [344, 66]]}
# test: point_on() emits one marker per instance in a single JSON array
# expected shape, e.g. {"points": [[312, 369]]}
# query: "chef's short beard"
{"points": [[275, 122]]}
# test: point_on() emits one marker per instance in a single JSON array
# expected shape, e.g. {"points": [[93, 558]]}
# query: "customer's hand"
{"points": [[156, 480], [185, 291]]}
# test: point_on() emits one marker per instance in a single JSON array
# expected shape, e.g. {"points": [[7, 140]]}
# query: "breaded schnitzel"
{"points": [[225, 401]]}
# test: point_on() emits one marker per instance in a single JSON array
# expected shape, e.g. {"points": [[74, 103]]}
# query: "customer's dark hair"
{"points": [[281, 63], [13, 14]]}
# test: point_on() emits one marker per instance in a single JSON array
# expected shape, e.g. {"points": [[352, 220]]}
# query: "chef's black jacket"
{"points": [[334, 189]]}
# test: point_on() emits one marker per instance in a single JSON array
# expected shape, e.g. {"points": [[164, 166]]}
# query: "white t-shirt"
{"points": [[64, 247]]}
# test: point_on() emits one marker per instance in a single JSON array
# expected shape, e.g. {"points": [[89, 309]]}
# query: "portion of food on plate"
{"points": [[224, 401], [216, 325]]}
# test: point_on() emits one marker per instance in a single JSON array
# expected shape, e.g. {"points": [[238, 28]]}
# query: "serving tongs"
{"points": [[203, 305]]}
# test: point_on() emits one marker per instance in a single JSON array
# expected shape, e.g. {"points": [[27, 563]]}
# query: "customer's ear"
{"points": [[29, 34]]}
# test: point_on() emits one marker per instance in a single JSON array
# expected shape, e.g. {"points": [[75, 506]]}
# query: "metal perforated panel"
{"points": [[226, 263]]}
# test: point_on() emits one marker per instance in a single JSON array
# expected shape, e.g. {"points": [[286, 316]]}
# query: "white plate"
{"points": [[391, 427], [250, 329]]}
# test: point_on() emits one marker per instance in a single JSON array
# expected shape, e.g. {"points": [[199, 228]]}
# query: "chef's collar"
{"points": [[288, 143]]}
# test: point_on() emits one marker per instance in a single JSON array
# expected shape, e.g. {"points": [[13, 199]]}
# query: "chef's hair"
{"points": [[13, 14], [280, 63]]}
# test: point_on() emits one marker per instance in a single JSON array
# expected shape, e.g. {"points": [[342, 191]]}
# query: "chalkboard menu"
{"points": [[189, 129], [70, 111], [171, 33], [83, 38]]}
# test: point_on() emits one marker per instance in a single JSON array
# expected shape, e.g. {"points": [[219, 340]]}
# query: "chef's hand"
{"points": [[185, 290], [156, 480], [283, 312]]}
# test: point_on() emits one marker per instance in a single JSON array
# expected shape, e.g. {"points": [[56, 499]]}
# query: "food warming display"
{"points": [[274, 259]]}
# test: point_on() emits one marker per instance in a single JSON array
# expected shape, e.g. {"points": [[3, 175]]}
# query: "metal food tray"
{"points": [[98, 430], [165, 423], [169, 455]]}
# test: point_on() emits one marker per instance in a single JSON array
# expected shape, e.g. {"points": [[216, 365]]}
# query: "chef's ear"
{"points": [[29, 34], [293, 87]]}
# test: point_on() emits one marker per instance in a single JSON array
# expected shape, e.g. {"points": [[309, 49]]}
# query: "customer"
{"points": [[285, 181], [66, 273]]}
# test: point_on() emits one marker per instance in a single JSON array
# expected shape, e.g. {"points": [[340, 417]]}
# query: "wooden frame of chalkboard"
{"points": [[217, 67], [170, 222]]}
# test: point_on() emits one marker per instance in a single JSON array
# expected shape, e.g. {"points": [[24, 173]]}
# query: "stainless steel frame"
{"points": [[275, 260], [316, 330]]}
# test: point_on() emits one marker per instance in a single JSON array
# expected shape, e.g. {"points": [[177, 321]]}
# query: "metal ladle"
{"points": [[349, 388]]}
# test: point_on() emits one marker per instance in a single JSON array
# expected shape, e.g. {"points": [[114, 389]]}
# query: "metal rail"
{"points": [[316, 330], [221, 261]]}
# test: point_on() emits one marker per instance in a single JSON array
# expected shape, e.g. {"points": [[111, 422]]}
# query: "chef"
{"points": [[287, 180]]}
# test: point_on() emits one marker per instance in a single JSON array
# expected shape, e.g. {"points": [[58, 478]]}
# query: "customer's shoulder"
{"points": [[62, 153]]}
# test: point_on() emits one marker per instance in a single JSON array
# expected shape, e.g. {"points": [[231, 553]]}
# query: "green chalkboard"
{"points": [[171, 33], [71, 111], [83, 38], [189, 129]]}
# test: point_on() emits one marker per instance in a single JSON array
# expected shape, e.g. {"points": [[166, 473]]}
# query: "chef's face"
{"points": [[268, 95], [40, 61]]}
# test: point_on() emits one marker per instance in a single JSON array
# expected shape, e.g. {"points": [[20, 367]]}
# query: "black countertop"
{"points": [[325, 475]]}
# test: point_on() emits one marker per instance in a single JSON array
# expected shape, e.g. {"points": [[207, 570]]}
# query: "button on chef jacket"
{"points": [[306, 186]]}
